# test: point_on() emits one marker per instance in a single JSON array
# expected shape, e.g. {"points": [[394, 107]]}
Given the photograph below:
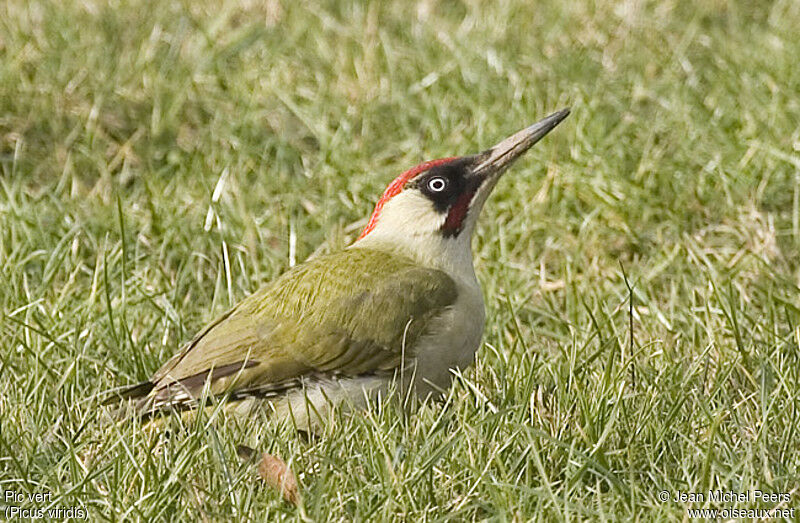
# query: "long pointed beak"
{"points": [[496, 160]]}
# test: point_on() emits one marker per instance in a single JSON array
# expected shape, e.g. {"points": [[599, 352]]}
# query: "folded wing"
{"points": [[356, 312]]}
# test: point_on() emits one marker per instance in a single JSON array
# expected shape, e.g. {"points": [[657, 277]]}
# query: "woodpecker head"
{"points": [[436, 204]]}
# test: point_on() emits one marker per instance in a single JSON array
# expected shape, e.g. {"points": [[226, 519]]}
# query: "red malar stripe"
{"points": [[458, 211]]}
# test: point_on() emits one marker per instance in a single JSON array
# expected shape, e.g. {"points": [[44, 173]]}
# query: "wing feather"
{"points": [[323, 316]]}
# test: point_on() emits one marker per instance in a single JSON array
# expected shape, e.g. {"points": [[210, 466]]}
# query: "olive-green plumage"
{"points": [[351, 313], [341, 328]]}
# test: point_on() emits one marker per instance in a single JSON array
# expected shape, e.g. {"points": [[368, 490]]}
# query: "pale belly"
{"points": [[451, 344]]}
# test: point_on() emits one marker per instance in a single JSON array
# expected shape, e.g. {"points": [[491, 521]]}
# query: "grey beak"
{"points": [[497, 159]]}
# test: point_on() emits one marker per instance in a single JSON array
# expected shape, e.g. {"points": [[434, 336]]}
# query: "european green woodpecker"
{"points": [[400, 305]]}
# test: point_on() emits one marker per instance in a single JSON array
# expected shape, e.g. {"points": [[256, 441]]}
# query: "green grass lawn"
{"points": [[641, 265]]}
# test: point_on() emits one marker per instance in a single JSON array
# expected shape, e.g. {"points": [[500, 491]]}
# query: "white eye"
{"points": [[437, 184]]}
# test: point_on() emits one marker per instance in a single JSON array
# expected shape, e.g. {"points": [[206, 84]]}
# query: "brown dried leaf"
{"points": [[275, 473]]}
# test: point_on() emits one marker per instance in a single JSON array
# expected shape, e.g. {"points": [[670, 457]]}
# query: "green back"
{"points": [[347, 313]]}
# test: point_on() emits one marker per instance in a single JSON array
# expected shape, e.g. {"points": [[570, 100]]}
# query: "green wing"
{"points": [[347, 313]]}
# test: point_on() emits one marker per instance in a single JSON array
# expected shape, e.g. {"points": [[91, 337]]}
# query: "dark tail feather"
{"points": [[140, 390], [137, 400], [129, 400]]}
